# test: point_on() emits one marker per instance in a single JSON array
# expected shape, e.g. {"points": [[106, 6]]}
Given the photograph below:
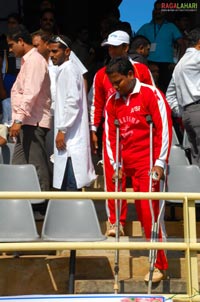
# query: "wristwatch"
{"points": [[17, 122]]}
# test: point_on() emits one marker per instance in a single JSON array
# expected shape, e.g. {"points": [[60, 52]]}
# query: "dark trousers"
{"points": [[30, 149], [69, 181], [191, 122]]}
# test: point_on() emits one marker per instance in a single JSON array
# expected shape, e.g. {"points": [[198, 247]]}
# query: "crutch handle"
{"points": [[149, 119], [116, 122]]}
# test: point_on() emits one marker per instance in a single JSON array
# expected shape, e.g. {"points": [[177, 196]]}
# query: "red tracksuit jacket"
{"points": [[103, 89], [134, 129]]}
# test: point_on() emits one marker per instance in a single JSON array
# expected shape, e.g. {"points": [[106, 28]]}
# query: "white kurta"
{"points": [[71, 115]]}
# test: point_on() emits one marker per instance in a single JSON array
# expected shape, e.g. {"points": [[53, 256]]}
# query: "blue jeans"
{"points": [[69, 181], [6, 112]]}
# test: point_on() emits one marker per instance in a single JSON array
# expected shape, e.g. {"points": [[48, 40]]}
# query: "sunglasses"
{"points": [[57, 39]]}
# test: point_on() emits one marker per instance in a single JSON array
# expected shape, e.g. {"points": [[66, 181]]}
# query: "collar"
{"points": [[135, 90], [62, 66], [137, 87], [29, 53], [191, 49]]}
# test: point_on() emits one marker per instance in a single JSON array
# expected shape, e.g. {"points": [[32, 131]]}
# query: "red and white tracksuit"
{"points": [[135, 144], [102, 90]]}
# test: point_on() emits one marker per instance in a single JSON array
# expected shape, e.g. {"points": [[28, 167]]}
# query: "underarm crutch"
{"points": [[155, 224], [117, 207]]}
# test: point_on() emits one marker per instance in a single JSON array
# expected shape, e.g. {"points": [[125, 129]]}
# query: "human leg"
{"points": [[3, 134], [192, 126], [7, 112], [19, 154], [38, 157], [49, 144], [30, 149], [141, 184], [69, 180]]}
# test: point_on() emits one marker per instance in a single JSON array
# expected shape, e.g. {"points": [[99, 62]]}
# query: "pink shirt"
{"points": [[30, 94]]}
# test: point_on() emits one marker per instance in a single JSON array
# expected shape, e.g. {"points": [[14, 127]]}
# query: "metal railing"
{"points": [[189, 244]]}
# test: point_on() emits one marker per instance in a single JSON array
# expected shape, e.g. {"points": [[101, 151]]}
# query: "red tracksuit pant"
{"points": [[140, 183], [110, 187]]}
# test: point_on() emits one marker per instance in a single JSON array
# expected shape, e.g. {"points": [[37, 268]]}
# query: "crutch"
{"points": [[155, 224], [117, 208]]}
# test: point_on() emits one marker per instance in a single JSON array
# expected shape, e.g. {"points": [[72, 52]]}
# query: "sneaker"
{"points": [[112, 230], [157, 276]]}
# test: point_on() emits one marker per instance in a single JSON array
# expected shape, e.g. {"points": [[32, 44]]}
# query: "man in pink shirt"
{"points": [[30, 99]]}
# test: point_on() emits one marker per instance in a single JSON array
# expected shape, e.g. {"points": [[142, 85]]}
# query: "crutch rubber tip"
{"points": [[116, 287]]}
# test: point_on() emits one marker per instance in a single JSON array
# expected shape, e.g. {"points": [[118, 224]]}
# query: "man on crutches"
{"points": [[130, 105]]}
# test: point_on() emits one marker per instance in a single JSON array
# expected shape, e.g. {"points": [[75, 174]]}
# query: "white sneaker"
{"points": [[112, 230], [157, 276]]}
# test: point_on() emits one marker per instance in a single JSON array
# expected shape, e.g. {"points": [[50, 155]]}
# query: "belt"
{"points": [[194, 103]]}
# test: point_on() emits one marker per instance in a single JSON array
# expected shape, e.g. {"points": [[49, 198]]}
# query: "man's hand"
{"points": [[60, 141], [159, 172], [94, 142], [120, 175], [14, 130]]}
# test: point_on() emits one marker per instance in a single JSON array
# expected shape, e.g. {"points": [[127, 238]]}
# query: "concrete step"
{"points": [[131, 286], [48, 273]]}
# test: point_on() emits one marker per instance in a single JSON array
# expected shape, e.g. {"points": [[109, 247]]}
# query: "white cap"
{"points": [[117, 38]]}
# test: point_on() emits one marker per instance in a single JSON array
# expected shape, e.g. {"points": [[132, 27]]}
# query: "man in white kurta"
{"points": [[73, 168]]}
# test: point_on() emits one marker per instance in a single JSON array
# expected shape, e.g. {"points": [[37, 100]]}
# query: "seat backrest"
{"points": [[183, 178], [7, 153], [186, 143], [175, 140], [71, 220], [17, 221], [178, 156], [19, 178]]}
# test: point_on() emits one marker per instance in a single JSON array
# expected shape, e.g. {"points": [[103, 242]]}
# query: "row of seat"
{"points": [[181, 178], [65, 220]]}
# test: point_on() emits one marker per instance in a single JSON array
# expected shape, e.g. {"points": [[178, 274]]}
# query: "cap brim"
{"points": [[106, 43]]}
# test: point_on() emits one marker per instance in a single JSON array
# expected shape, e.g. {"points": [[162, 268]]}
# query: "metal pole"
{"points": [[72, 269], [152, 253], [117, 210]]}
